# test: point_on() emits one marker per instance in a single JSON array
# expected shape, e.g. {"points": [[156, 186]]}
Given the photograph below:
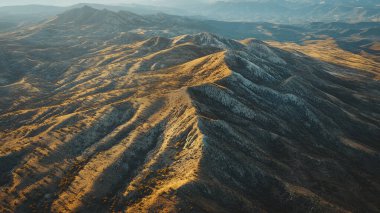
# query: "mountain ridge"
{"points": [[55, 45], [237, 125]]}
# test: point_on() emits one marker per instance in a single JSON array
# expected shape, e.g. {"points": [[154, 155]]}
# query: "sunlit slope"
{"points": [[196, 123], [328, 51]]}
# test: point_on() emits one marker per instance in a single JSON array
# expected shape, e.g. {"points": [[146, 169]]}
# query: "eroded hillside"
{"points": [[195, 123]]}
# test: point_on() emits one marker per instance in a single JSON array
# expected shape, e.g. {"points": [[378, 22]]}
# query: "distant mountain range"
{"points": [[120, 27], [294, 12], [282, 12]]}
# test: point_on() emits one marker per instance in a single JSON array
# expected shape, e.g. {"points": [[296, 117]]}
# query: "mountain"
{"points": [[102, 25], [112, 111], [13, 17]]}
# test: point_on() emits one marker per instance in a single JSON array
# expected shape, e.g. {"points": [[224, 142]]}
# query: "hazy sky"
{"points": [[71, 2]]}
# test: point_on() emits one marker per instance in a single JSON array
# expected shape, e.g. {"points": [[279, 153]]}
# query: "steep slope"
{"points": [[195, 123]]}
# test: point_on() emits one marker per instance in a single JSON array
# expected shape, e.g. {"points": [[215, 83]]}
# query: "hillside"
{"points": [[328, 51]]}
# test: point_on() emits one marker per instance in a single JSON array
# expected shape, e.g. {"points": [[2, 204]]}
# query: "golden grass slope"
{"points": [[327, 50], [216, 130], [103, 125]]}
